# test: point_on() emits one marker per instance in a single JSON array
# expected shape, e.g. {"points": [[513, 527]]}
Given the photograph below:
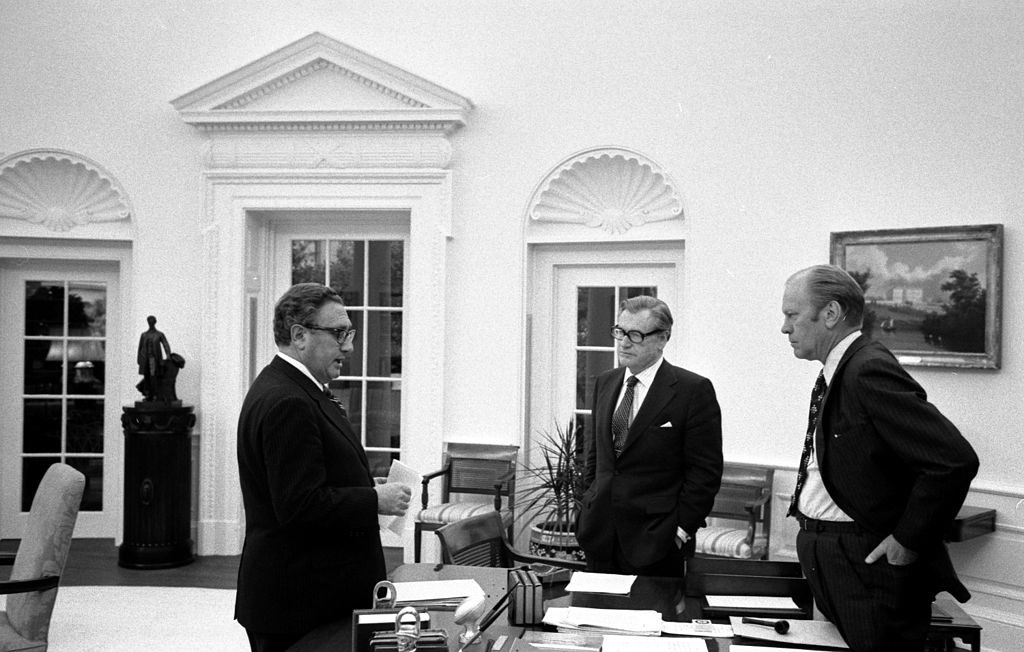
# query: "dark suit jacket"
{"points": [[312, 548], [666, 476], [890, 459]]}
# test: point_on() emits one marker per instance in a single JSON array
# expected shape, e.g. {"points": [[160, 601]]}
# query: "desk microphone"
{"points": [[780, 626]]}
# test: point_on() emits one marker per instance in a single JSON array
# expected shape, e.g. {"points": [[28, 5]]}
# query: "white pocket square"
{"points": [[667, 424]]}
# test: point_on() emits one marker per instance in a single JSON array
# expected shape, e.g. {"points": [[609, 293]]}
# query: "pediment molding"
{"points": [[354, 92]]}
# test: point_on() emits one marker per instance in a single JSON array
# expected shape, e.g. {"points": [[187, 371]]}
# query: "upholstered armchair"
{"points": [[740, 521], [469, 469], [35, 574]]}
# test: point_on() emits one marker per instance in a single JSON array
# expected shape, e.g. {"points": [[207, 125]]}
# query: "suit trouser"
{"points": [[876, 607], [672, 565]]}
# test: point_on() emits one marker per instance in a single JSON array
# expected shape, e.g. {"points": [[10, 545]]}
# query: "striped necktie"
{"points": [[623, 416], [817, 394]]}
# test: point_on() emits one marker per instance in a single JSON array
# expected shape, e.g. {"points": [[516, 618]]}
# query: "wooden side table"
{"points": [[961, 626], [971, 522]]}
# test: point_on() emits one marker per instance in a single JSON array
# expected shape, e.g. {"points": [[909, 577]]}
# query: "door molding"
{"points": [[237, 273], [106, 256]]}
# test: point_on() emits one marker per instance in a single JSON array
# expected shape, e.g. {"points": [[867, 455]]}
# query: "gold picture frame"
{"points": [[933, 295]]}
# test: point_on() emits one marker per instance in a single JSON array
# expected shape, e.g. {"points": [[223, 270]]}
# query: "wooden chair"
{"points": [[745, 496], [39, 562], [751, 577], [483, 541], [480, 469]]}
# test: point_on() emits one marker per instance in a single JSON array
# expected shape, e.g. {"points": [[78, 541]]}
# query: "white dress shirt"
{"points": [[815, 502]]}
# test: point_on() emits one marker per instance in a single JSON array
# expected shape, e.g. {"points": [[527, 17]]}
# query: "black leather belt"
{"points": [[829, 527]]}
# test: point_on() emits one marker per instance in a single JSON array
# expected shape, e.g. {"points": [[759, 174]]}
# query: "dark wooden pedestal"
{"points": [[157, 485]]}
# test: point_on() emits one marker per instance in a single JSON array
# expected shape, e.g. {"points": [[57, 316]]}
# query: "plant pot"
{"points": [[554, 542]]}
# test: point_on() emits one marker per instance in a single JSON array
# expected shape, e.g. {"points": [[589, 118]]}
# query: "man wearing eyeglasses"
{"points": [[653, 453], [312, 548]]}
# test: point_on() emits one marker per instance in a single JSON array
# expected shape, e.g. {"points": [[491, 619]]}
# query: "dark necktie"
{"points": [[330, 396], [817, 394], [623, 415]]}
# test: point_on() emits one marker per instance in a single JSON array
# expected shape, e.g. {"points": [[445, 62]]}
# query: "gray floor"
{"points": [[93, 562]]}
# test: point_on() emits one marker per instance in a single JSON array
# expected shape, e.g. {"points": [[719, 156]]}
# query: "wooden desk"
{"points": [[665, 595]]}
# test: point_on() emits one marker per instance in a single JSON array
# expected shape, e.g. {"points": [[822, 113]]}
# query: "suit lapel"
{"points": [[820, 440], [658, 396], [606, 399], [332, 411]]}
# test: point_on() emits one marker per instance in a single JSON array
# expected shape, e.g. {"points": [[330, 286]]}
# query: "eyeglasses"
{"points": [[343, 335], [636, 337]]}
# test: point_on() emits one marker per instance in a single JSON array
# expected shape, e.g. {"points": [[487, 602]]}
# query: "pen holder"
{"points": [[526, 604]]}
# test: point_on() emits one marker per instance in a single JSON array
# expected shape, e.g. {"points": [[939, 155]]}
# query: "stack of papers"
{"points": [[583, 582], [605, 621], [760, 602], [436, 594]]}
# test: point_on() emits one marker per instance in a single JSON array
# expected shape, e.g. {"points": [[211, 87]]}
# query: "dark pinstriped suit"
{"points": [[896, 465], [312, 542], [665, 477]]}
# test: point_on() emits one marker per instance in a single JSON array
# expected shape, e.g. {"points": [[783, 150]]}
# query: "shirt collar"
{"points": [[836, 354], [646, 377], [301, 367]]}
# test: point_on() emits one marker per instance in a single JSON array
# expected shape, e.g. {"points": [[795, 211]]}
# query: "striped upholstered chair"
{"points": [[740, 521], [470, 472]]}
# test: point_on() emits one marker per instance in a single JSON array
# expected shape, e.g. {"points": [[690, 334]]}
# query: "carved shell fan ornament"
{"points": [[58, 191], [613, 190]]}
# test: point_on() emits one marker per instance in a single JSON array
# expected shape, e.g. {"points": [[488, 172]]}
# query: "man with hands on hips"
{"points": [[312, 549], [882, 475]]}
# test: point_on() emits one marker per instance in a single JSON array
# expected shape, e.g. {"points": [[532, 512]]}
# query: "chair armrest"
{"points": [[7, 558], [502, 479], [27, 586], [426, 483]]}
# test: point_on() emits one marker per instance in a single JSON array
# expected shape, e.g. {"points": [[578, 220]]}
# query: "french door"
{"points": [[574, 306], [59, 398]]}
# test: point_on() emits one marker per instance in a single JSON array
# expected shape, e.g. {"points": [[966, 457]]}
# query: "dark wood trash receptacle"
{"points": [[157, 485]]}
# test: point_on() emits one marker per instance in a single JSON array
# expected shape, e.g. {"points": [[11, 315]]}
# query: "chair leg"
{"points": [[417, 537]]}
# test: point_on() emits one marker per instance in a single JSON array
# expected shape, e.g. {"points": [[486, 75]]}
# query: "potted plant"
{"points": [[551, 491]]}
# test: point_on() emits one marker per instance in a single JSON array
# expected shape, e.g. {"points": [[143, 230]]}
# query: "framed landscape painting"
{"points": [[933, 295]]}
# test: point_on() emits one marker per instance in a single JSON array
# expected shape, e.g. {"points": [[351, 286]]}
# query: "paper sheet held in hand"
{"points": [[408, 476]]}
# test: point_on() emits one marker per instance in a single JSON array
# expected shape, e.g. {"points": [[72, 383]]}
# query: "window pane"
{"points": [[43, 365], [630, 292], [595, 316], [382, 409], [44, 308], [350, 393], [383, 341], [32, 470], [354, 365], [86, 376], [380, 463], [307, 261], [92, 469], [386, 271], [347, 270], [41, 429], [590, 364], [85, 426], [87, 309]]}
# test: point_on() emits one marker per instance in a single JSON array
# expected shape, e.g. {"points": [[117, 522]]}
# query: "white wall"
{"points": [[780, 122]]}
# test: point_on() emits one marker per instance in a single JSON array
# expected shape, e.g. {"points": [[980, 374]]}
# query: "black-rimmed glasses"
{"points": [[636, 337], [343, 335]]}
